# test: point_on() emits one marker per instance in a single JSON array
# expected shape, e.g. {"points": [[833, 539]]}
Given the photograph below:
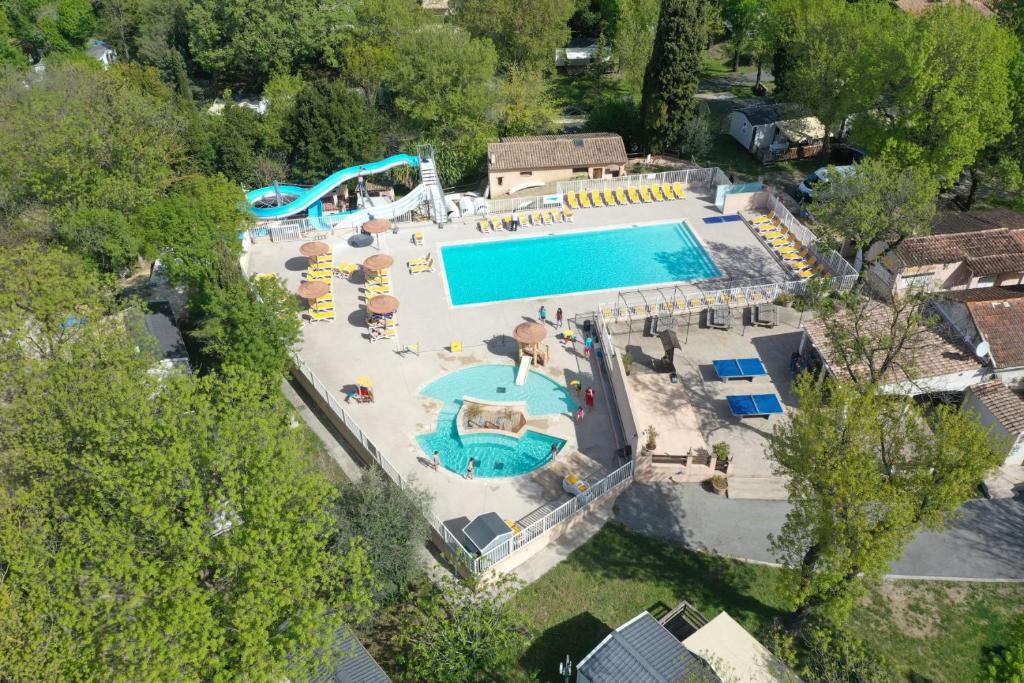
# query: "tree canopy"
{"points": [[525, 32]]}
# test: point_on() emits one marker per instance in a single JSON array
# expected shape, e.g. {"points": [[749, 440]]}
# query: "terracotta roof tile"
{"points": [[1001, 324], [935, 352], [556, 151], [956, 247], [984, 293], [982, 219], [1006, 406]]}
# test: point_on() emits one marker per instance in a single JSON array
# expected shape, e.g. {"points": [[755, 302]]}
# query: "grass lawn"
{"points": [[937, 631]]}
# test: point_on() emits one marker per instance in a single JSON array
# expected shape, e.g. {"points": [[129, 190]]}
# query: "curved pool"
{"points": [[494, 455]]}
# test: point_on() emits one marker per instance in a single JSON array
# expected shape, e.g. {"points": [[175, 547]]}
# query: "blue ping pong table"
{"points": [[754, 405], [739, 368]]}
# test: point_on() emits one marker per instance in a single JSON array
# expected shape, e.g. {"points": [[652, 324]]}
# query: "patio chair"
{"points": [[567, 213], [417, 239], [484, 225]]}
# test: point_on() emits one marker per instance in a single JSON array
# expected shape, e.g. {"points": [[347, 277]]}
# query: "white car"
{"points": [[805, 191]]}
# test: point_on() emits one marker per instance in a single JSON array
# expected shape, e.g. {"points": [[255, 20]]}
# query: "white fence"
{"points": [[564, 513], [838, 266], [530, 203], [708, 177]]}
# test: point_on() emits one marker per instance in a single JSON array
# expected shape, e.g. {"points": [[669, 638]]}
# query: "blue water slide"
{"points": [[303, 198]]}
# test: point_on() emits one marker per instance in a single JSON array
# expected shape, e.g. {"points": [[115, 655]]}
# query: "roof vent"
{"points": [[578, 142]]}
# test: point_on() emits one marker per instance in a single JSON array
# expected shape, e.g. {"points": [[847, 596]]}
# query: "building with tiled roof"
{"points": [[966, 251], [993, 316], [515, 165], [937, 359], [995, 405]]}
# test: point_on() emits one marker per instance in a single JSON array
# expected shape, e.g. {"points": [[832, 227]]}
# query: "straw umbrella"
{"points": [[314, 249], [376, 226], [313, 290], [382, 305], [378, 263], [529, 335]]}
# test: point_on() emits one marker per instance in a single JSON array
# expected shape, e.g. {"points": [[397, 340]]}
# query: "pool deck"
{"points": [[339, 351]]}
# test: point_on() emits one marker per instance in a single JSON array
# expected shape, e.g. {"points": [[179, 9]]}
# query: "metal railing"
{"points": [[830, 258], [530, 203], [563, 513], [690, 177]]}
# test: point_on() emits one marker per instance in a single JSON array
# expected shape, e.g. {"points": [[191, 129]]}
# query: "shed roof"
{"points": [[1006, 406], [352, 663], [735, 655], [486, 529], [760, 114], [556, 151], [806, 129], [642, 651], [1001, 323], [160, 323], [934, 352], [963, 246]]}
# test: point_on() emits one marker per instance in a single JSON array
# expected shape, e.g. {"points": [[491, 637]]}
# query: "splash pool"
{"points": [[494, 455], [526, 267]]}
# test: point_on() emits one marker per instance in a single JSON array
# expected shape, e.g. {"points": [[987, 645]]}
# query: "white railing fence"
{"points": [[563, 513], [707, 177], [837, 266], [530, 203]]}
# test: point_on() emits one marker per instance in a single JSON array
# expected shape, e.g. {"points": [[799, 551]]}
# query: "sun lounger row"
{"points": [[787, 246], [629, 195], [421, 265], [515, 221]]}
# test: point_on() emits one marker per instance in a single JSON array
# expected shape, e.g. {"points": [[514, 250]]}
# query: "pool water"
{"points": [[494, 455], [526, 267]]}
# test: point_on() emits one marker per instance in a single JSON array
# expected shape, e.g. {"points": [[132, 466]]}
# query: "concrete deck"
{"points": [[339, 351]]}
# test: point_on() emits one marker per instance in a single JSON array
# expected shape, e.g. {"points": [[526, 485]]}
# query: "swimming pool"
{"points": [[527, 267], [494, 455]]}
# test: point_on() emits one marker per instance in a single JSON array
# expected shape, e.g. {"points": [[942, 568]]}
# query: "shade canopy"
{"points": [[379, 262], [363, 381], [376, 226], [529, 333], [383, 304], [313, 249], [313, 290]]}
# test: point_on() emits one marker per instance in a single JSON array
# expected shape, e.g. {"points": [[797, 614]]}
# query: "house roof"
{"points": [[556, 151], [352, 664], [160, 323], [735, 655], [760, 114], [919, 6], [996, 264], [642, 651], [984, 293], [1006, 406], [934, 352], [963, 246], [1001, 323], [982, 219], [486, 529]]}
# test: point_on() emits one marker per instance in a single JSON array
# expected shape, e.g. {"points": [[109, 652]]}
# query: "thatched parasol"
{"points": [[313, 290], [314, 249], [529, 333], [379, 262], [376, 226], [382, 305]]}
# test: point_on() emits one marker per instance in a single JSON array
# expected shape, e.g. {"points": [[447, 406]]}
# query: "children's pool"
{"points": [[494, 455], [528, 267]]}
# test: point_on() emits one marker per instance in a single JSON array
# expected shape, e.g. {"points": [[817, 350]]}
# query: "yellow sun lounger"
{"points": [[585, 200], [620, 197], [645, 194], [679, 190], [634, 196], [572, 200], [484, 225], [667, 190], [766, 218], [318, 316], [597, 199], [567, 212], [548, 217], [609, 197], [658, 196], [418, 261]]}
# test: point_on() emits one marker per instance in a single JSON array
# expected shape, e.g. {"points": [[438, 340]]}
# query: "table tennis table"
{"points": [[739, 368], [754, 405]]}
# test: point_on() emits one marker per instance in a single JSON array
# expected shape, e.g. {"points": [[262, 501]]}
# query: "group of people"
{"points": [[588, 343]]}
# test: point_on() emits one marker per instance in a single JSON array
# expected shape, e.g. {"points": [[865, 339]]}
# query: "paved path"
{"points": [[985, 542]]}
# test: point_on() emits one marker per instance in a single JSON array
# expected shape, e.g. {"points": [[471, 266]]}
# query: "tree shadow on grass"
{"points": [[575, 637]]}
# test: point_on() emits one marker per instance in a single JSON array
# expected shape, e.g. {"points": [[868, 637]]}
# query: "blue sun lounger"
{"points": [[739, 368], [754, 405]]}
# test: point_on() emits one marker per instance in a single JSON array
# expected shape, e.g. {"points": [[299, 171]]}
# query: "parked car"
{"points": [[805, 191]]}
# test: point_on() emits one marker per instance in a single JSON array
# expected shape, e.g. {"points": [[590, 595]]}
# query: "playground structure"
{"points": [[284, 205]]}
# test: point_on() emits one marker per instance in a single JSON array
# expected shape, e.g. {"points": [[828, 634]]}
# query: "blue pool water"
{"points": [[494, 455], [521, 268]]}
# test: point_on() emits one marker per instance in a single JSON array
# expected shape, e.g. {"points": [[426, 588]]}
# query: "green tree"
{"points": [[1006, 664], [331, 127], [526, 103], [670, 82], [392, 524], [866, 471], [377, 43], [46, 26], [618, 115], [881, 202], [634, 41], [253, 324], [45, 297], [107, 237], [162, 529], [460, 632], [526, 32], [10, 52], [953, 93], [746, 18]]}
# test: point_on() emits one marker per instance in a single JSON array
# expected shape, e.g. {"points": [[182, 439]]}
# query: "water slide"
{"points": [[524, 369], [302, 198]]}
